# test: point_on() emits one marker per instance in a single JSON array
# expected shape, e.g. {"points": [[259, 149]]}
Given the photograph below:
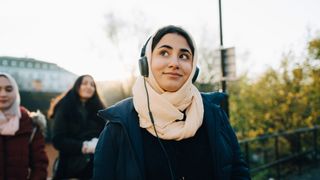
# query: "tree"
{"points": [[126, 36], [279, 100], [313, 48]]}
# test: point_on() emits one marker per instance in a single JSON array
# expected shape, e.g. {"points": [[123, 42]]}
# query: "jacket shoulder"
{"points": [[25, 115], [215, 98], [117, 111], [25, 121]]}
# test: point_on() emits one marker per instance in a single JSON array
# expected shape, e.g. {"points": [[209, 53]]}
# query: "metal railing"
{"points": [[273, 152]]}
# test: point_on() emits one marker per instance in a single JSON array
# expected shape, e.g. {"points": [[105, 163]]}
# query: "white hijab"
{"points": [[167, 107], [9, 119]]}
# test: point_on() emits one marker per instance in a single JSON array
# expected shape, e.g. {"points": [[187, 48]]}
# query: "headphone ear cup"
{"points": [[196, 73], [143, 66]]}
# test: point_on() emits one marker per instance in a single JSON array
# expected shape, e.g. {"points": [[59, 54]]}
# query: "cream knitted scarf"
{"points": [[167, 107]]}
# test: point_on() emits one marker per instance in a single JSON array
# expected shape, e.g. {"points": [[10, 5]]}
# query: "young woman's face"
{"points": [[171, 62], [7, 93], [86, 89]]}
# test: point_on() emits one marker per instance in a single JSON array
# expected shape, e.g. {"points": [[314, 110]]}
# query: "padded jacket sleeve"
{"points": [[62, 140], [38, 157], [239, 168], [106, 154]]}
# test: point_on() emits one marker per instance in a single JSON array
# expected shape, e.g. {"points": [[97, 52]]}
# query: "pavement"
{"points": [[52, 154]]}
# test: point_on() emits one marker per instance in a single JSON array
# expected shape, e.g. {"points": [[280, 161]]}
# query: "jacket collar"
{"points": [[125, 114]]}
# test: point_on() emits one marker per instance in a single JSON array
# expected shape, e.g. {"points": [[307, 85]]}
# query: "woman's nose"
{"points": [[174, 62], [2, 92]]}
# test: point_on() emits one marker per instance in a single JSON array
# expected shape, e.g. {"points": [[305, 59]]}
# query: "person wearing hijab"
{"points": [[168, 129], [76, 128], [22, 147]]}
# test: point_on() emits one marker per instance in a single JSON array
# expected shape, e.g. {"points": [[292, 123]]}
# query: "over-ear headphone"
{"points": [[143, 64]]}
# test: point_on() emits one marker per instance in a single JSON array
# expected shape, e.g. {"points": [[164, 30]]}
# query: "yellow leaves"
{"points": [[297, 73], [252, 134], [281, 92], [256, 132], [271, 130], [284, 108], [267, 116], [314, 48], [309, 121]]}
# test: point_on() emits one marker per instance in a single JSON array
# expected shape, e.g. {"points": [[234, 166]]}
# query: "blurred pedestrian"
{"points": [[168, 130], [22, 143], [76, 128]]}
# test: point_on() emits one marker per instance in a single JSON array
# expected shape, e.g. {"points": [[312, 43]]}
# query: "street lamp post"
{"points": [[223, 63], [220, 19]]}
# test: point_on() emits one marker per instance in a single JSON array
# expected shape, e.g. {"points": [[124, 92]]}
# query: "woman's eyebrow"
{"points": [[185, 50], [165, 46], [169, 47]]}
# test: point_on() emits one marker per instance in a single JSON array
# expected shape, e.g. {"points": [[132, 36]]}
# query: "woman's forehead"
{"points": [[173, 40], [4, 81], [87, 78]]}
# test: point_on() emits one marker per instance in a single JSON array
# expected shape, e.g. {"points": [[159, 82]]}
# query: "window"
{"points": [[29, 64], [37, 65], [44, 66], [5, 62], [13, 63], [21, 64]]}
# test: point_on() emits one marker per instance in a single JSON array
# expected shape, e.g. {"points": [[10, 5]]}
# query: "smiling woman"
{"points": [[76, 128], [168, 129], [22, 153]]}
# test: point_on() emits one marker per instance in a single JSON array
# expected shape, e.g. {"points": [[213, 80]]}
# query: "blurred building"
{"points": [[37, 76]]}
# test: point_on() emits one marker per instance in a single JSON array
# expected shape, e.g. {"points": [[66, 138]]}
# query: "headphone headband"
{"points": [[143, 50]]}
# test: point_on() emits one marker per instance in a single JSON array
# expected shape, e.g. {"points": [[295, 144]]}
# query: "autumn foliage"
{"points": [[280, 100]]}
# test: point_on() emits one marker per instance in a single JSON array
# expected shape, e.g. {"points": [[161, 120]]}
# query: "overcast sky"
{"points": [[72, 33]]}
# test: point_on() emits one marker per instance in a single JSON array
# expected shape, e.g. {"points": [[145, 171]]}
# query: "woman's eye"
{"points": [[184, 56], [84, 84], [164, 53], [9, 89]]}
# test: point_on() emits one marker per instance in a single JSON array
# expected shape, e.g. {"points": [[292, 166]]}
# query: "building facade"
{"points": [[37, 76]]}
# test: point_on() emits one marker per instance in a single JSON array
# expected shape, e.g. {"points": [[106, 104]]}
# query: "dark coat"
{"points": [[70, 130], [119, 153], [17, 154]]}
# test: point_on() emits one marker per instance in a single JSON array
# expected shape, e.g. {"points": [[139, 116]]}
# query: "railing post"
{"points": [[315, 155], [277, 155], [299, 152], [246, 147]]}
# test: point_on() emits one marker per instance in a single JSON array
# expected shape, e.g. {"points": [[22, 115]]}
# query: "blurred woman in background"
{"points": [[76, 128], [22, 144]]}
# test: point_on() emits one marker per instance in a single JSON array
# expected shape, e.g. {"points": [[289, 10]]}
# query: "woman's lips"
{"points": [[173, 74], [3, 100]]}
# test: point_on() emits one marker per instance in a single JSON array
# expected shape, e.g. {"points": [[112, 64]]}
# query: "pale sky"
{"points": [[72, 33]]}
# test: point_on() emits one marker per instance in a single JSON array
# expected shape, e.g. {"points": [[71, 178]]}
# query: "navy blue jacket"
{"points": [[119, 153]]}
